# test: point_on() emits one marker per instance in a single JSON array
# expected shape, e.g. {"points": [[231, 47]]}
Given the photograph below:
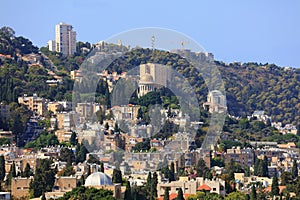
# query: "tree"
{"points": [[12, 173], [253, 195], [2, 168], [236, 195], [274, 187], [295, 169], [154, 185], [106, 126], [81, 152], [128, 194], [149, 184], [256, 166], [286, 178], [67, 155], [88, 193], [140, 114], [43, 197], [117, 176], [73, 139], [265, 171], [166, 194], [116, 128], [27, 172], [102, 167], [68, 170], [43, 179], [201, 168], [244, 123], [180, 194], [172, 172]]}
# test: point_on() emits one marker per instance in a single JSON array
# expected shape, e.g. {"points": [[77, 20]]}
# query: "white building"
{"points": [[51, 45], [65, 39], [216, 102]]}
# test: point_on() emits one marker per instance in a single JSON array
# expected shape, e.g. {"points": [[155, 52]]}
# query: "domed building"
{"points": [[101, 180], [98, 179], [146, 85]]}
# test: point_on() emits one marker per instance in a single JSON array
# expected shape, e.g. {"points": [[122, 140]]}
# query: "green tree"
{"points": [[81, 152], [166, 194], [265, 171], [172, 172], [12, 173], [73, 139], [116, 128], [180, 194], [43, 197], [117, 176], [128, 194], [67, 155], [253, 195], [140, 114], [88, 193], [154, 185], [244, 123], [27, 172], [235, 196], [286, 178], [295, 169], [149, 184], [43, 179], [2, 168], [201, 168], [275, 186], [106, 126], [68, 170], [102, 167]]}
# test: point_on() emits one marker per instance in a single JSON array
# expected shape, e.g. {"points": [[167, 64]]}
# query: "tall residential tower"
{"points": [[65, 39]]}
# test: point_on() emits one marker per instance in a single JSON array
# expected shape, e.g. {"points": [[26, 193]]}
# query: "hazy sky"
{"points": [[241, 30]]}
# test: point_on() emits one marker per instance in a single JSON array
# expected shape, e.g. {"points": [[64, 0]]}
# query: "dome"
{"points": [[98, 179], [146, 78]]}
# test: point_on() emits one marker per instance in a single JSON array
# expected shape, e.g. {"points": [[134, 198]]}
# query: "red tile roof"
{"points": [[204, 187]]}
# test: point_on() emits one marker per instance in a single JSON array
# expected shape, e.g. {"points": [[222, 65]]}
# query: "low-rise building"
{"points": [[34, 103], [20, 187]]}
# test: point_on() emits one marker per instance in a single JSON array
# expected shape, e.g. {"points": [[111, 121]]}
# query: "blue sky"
{"points": [[256, 30]]}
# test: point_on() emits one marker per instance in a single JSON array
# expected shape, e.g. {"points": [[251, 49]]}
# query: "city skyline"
{"points": [[233, 31]]}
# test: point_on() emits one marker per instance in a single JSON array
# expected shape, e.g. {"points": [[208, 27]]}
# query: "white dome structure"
{"points": [[98, 179], [146, 78]]}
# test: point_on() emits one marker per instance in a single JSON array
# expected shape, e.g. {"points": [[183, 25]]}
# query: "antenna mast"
{"points": [[152, 41]]}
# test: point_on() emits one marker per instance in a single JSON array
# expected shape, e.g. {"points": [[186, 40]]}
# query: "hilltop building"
{"points": [[65, 39], [216, 102], [152, 76]]}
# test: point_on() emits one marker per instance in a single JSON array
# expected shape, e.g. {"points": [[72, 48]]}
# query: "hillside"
{"points": [[249, 86], [25, 70]]}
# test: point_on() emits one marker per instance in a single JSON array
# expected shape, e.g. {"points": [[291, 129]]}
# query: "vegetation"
{"points": [[44, 140], [117, 176], [43, 179], [86, 193], [2, 168]]}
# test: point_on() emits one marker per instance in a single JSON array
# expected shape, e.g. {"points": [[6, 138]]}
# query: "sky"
{"points": [[245, 31]]}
